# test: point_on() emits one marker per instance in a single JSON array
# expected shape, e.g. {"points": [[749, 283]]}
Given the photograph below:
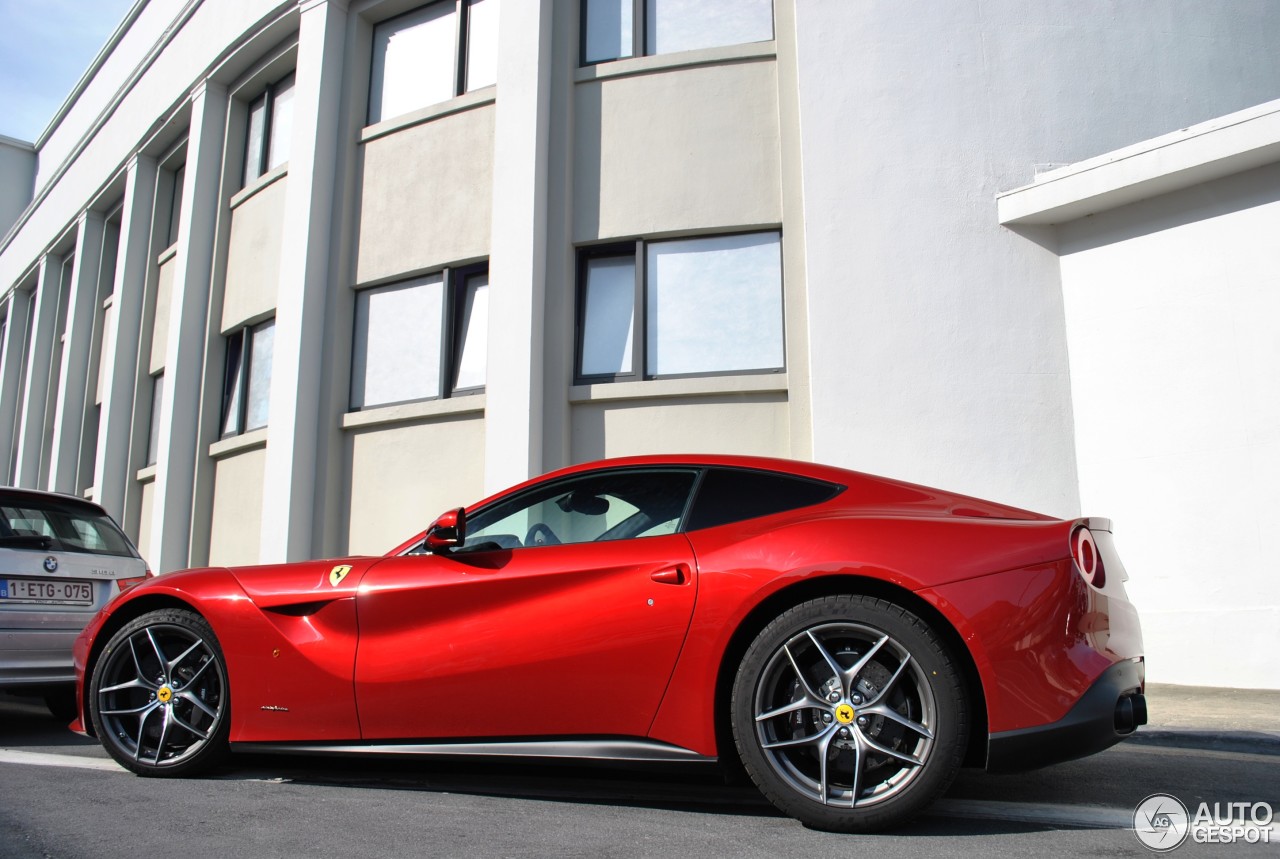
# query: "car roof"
{"points": [[7, 492], [797, 468]]}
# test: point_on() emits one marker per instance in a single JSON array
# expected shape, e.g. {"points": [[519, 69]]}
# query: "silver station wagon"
{"points": [[61, 559]]}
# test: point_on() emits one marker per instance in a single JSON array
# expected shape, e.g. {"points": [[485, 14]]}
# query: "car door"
{"points": [[563, 613]]}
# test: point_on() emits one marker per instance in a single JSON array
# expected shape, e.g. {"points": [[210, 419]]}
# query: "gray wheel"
{"points": [[849, 714], [159, 698]]}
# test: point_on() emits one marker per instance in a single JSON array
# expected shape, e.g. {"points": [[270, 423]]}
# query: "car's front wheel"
{"points": [[158, 696], [849, 713]]}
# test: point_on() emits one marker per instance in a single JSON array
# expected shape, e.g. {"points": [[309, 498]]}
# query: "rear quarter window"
{"points": [[729, 495]]}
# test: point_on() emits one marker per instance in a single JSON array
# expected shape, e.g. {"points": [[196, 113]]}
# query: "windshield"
{"points": [[53, 525]]}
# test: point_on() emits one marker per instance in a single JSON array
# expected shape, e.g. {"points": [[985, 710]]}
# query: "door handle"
{"points": [[677, 575]]}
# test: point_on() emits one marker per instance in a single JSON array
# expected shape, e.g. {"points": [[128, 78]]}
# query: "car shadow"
{"points": [[687, 788], [25, 722]]}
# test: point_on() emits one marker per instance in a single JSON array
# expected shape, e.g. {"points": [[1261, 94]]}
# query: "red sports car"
{"points": [[851, 640]]}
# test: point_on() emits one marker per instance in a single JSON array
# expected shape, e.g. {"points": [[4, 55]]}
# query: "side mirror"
{"points": [[449, 530]]}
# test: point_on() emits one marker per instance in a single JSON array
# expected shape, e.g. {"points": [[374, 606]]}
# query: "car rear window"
{"points": [[65, 526], [733, 495]]}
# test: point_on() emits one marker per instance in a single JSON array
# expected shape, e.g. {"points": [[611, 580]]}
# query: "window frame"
{"points": [[268, 99], [700, 473], [543, 492], [461, 55], [640, 310], [454, 285], [243, 337], [639, 33]]}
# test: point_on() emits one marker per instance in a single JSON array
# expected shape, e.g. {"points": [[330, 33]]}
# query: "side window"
{"points": [[421, 339], [431, 54], [615, 29], [681, 307], [269, 130], [732, 495], [246, 388], [612, 506]]}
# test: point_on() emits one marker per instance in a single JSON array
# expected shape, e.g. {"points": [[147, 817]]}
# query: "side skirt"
{"points": [[609, 749]]}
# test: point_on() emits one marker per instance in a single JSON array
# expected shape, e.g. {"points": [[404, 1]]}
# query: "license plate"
{"points": [[47, 591]]}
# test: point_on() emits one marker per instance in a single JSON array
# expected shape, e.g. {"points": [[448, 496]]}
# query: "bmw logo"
{"points": [[51, 564]]}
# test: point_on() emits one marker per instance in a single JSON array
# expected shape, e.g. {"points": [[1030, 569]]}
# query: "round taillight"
{"points": [[1084, 551]]}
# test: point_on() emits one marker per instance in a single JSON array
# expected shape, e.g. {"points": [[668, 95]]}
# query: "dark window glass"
{"points": [[64, 525], [175, 203], [732, 495], [231, 393]]}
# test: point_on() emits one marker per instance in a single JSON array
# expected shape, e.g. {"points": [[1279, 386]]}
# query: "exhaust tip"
{"points": [[1131, 711]]}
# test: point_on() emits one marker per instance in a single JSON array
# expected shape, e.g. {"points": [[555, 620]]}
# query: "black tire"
{"points": [[62, 703], [819, 745], [159, 697]]}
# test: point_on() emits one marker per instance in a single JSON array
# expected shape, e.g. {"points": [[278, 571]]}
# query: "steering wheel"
{"points": [[541, 535]]}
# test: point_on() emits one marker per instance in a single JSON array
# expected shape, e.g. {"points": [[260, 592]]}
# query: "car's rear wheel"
{"points": [[849, 714], [158, 696]]}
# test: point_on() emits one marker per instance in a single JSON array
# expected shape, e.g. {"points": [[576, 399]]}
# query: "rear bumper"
{"points": [[1110, 710], [36, 657]]}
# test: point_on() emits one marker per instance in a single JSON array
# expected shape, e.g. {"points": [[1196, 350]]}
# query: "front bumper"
{"points": [[1111, 709]]}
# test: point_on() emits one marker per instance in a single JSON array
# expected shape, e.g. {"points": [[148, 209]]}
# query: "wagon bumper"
{"points": [[1109, 711]]}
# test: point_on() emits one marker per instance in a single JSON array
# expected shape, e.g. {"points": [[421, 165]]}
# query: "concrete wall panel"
{"points": [[427, 196], [403, 476], [164, 296], [234, 534], [749, 424], [253, 257], [684, 149], [143, 537]]}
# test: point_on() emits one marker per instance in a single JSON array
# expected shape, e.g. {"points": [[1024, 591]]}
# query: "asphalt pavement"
{"points": [[62, 798], [1203, 717]]}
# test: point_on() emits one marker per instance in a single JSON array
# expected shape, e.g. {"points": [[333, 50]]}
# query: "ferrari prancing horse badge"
{"points": [[338, 573]]}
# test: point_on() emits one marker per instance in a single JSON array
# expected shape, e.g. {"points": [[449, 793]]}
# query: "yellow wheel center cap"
{"points": [[164, 694], [845, 714]]}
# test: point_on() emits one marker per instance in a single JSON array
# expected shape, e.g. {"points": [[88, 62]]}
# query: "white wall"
{"points": [[1172, 313], [116, 112], [17, 175], [937, 337]]}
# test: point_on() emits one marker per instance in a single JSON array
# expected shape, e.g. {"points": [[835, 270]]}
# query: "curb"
{"points": [[1246, 742]]}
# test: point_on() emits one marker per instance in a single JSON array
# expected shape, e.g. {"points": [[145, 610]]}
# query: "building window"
{"points": [[421, 339], [157, 401], [246, 391], [432, 54], [685, 307], [269, 131], [175, 203], [616, 29]]}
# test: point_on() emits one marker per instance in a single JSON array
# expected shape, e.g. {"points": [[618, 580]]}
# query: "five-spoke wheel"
{"points": [[158, 698], [849, 714]]}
